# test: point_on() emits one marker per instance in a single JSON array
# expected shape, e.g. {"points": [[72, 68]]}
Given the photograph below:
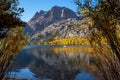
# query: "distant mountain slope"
{"points": [[55, 14], [57, 22], [43, 19], [63, 29]]}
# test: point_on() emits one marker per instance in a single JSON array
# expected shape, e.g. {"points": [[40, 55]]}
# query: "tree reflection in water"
{"points": [[57, 63]]}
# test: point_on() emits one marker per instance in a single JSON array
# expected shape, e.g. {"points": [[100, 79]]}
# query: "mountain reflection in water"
{"points": [[54, 63]]}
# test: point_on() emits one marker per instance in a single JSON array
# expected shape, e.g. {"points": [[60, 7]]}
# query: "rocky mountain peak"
{"points": [[56, 7], [62, 12], [55, 14], [36, 16], [43, 19]]}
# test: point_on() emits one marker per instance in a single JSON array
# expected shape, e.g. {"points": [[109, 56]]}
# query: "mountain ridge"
{"points": [[63, 29], [58, 21], [55, 14]]}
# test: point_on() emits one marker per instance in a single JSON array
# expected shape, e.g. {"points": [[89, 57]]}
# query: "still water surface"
{"points": [[54, 63]]}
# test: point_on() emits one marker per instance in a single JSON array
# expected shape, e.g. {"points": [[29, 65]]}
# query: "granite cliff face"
{"points": [[58, 21], [43, 19], [63, 29]]}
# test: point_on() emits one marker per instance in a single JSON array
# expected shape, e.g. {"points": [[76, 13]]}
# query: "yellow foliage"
{"points": [[85, 11], [56, 38], [90, 22], [68, 41], [10, 46], [76, 50]]}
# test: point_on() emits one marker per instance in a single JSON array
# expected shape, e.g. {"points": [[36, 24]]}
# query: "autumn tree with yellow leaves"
{"points": [[105, 14], [68, 41], [12, 38]]}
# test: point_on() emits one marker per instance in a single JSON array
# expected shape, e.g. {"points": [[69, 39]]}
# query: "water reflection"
{"points": [[55, 63]]}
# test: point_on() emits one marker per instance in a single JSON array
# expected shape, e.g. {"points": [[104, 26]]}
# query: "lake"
{"points": [[54, 63]]}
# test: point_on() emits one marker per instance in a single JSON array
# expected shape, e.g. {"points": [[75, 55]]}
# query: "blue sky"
{"points": [[32, 6]]}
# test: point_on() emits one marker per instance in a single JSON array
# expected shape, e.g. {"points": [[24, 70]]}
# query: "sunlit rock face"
{"points": [[44, 18], [55, 14], [63, 29], [58, 21]]}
